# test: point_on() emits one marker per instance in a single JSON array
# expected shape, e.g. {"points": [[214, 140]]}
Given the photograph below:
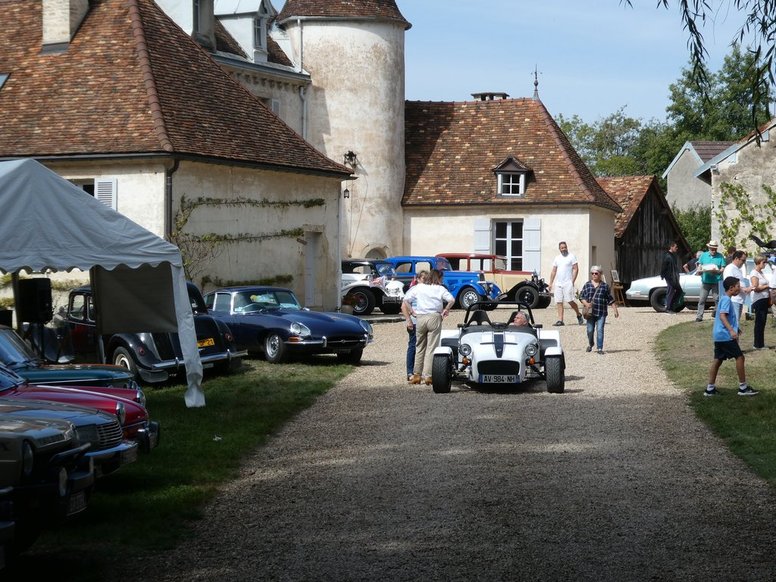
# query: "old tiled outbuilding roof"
{"points": [[708, 149], [453, 148], [629, 192], [358, 9], [132, 82]]}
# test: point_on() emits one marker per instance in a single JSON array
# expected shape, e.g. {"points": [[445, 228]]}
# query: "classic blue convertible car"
{"points": [[270, 321]]}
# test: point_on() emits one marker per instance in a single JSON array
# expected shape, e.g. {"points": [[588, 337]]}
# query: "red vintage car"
{"points": [[126, 404]]}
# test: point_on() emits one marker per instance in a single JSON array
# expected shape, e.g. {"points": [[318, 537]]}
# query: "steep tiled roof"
{"points": [[225, 42], [629, 192], [275, 54], [131, 81], [708, 149], [452, 149], [376, 9]]}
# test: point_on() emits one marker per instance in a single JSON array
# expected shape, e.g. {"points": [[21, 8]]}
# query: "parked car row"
{"points": [[62, 428]]}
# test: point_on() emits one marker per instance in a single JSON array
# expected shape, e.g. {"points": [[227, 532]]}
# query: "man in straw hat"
{"points": [[711, 264]]}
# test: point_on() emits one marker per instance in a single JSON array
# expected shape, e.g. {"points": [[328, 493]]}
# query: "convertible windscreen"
{"points": [[248, 301]]}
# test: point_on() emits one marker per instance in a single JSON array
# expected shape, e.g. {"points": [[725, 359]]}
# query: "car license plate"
{"points": [[206, 343], [77, 503], [498, 379]]}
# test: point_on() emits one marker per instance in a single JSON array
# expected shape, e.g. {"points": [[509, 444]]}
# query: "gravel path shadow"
{"points": [[613, 480]]}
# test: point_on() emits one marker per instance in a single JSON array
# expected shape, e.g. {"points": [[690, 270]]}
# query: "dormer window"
{"points": [[511, 175], [260, 25], [3, 79]]}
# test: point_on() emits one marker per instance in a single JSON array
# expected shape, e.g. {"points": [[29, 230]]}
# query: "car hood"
{"points": [[78, 415], [313, 319], [84, 374], [105, 402]]}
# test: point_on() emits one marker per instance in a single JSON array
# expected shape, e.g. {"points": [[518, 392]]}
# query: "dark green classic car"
{"points": [[19, 357]]}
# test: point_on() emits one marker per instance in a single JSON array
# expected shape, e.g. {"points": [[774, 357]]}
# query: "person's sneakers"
{"points": [[580, 320], [712, 392], [559, 322], [427, 380], [748, 391], [415, 379], [589, 349], [600, 352], [698, 319]]}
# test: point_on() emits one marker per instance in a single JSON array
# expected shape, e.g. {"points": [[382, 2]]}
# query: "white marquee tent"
{"points": [[138, 279]]}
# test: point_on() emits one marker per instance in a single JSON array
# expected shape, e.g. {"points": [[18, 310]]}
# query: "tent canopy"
{"points": [[50, 224]]}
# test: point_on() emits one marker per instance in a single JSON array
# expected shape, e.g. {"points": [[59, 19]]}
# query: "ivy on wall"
{"points": [[199, 250], [748, 218]]}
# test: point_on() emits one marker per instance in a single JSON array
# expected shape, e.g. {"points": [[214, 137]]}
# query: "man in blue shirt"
{"points": [[725, 334], [711, 265]]}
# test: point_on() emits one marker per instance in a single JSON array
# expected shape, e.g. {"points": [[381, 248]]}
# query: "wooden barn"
{"points": [[644, 228]]}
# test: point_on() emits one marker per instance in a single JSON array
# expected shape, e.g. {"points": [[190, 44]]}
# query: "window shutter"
{"points": [[532, 245], [105, 191], [482, 235]]}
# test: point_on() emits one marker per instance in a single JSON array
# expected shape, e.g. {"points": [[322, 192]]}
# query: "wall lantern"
{"points": [[346, 193]]}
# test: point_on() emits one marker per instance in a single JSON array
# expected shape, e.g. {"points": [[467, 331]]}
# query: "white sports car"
{"points": [[507, 353]]}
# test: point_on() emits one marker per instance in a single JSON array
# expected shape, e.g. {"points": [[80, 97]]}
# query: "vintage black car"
{"points": [[270, 321], [153, 357]]}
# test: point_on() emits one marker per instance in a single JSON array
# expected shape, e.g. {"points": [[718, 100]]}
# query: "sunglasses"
{"points": [[595, 273]]}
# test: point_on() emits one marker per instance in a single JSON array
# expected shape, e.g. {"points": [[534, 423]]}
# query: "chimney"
{"points": [[61, 19]]}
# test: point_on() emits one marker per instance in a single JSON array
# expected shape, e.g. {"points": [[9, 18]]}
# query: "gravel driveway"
{"points": [[379, 480]]}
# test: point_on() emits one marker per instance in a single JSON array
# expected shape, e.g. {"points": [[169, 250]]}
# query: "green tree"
{"points": [[607, 145], [695, 224]]}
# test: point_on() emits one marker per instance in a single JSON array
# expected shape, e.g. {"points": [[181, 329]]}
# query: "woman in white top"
{"points": [[429, 303], [760, 296]]}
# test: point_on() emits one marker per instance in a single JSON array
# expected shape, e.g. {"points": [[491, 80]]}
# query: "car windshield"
{"points": [[265, 299], [9, 379], [385, 270], [13, 350], [443, 264]]}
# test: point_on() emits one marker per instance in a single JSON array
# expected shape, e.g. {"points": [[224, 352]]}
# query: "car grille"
{"points": [[102, 436], [345, 341], [498, 367]]}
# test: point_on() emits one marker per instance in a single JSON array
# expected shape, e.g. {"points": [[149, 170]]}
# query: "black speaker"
{"points": [[33, 300]]}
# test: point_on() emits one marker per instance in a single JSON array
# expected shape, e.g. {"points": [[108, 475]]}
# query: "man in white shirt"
{"points": [[735, 269], [564, 274]]}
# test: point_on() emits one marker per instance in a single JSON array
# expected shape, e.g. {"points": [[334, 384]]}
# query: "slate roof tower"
{"points": [[354, 52]]}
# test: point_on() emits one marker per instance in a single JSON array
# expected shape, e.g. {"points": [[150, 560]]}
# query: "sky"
{"points": [[593, 57]]}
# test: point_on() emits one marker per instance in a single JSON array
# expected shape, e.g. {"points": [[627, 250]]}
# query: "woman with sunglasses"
{"points": [[596, 297]]}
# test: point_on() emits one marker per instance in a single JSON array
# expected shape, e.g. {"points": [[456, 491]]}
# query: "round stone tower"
{"points": [[354, 53]]}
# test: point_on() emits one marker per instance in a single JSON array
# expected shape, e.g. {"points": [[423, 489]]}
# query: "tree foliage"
{"points": [[695, 224]]}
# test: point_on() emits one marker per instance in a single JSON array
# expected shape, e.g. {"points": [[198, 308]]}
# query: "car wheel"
{"points": [[468, 297], [658, 299], [528, 295], [556, 376], [122, 357], [362, 300], [390, 308], [441, 374], [274, 349], [352, 357]]}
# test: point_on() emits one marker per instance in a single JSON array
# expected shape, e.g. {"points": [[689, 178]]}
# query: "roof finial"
{"points": [[536, 83]]}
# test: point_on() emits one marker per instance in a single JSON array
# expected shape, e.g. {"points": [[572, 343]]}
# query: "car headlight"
{"points": [[121, 412], [465, 350], [530, 350], [300, 329], [28, 458], [367, 327], [140, 397]]}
